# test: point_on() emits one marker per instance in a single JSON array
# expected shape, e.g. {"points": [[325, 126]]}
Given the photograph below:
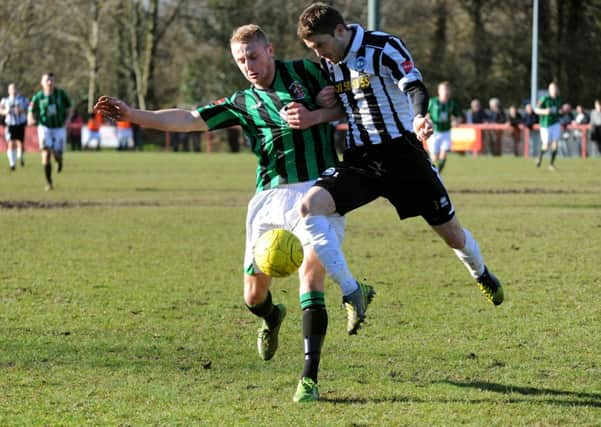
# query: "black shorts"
{"points": [[15, 132], [400, 171]]}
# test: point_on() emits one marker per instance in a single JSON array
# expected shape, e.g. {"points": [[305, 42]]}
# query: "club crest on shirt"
{"points": [[407, 65], [296, 90], [360, 63]]}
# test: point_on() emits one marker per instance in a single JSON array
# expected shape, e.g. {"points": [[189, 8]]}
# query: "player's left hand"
{"points": [[422, 126], [298, 116]]}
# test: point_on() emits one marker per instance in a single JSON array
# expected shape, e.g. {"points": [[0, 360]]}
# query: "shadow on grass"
{"points": [[574, 398], [512, 389]]}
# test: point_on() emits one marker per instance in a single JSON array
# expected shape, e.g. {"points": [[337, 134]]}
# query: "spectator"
{"points": [[124, 135], [496, 115], [14, 110], [94, 122], [74, 131], [582, 117], [515, 120], [596, 125], [529, 120], [567, 135], [476, 114]]}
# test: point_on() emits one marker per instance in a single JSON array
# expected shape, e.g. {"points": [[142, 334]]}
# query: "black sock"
{"points": [[266, 310], [540, 157], [441, 163], [48, 172], [315, 325], [553, 155]]}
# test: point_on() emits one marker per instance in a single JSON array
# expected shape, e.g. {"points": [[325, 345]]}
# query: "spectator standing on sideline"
{"points": [[496, 115], [444, 113], [476, 114], [50, 109], [124, 135], [14, 109], [529, 120], [374, 78], [596, 124], [548, 110], [94, 123], [74, 131], [292, 140], [515, 121]]}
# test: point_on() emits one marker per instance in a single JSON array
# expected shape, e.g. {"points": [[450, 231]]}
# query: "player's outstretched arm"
{"points": [[175, 119]]}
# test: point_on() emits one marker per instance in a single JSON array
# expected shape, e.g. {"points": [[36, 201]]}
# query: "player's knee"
{"points": [[317, 201], [255, 288]]}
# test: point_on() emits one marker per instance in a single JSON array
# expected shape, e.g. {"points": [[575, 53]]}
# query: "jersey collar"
{"points": [[356, 41]]}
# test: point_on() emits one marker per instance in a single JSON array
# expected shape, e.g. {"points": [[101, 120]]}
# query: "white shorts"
{"points": [[52, 138], [550, 134], [124, 133], [279, 208], [439, 141]]}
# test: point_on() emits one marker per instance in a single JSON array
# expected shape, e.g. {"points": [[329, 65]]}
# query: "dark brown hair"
{"points": [[319, 18]]}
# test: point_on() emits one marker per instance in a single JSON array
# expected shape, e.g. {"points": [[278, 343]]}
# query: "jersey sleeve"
{"points": [[542, 103], [431, 102], [397, 60], [317, 73], [222, 113], [33, 105]]}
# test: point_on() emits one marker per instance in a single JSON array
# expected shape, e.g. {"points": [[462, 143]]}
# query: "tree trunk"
{"points": [[92, 54]]}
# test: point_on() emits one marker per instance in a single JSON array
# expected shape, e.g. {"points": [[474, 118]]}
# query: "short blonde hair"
{"points": [[248, 33]]}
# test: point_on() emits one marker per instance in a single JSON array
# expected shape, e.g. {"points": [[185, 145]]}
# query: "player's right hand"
{"points": [[112, 108]]}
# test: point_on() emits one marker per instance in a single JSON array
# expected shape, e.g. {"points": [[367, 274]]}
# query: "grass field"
{"points": [[121, 302]]}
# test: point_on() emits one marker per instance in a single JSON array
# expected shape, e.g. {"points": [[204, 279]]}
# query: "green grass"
{"points": [[121, 302]]}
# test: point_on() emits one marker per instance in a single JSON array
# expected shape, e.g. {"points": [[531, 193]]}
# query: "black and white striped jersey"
{"points": [[370, 83]]}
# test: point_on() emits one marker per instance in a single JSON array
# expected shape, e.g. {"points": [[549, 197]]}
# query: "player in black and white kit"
{"points": [[385, 102], [14, 108]]}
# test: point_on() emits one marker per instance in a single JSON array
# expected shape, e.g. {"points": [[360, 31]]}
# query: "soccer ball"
{"points": [[278, 253]]}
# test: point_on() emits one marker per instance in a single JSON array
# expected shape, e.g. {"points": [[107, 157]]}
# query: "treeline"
{"points": [[162, 53]]}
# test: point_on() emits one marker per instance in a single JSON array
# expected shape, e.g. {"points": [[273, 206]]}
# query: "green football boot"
{"points": [[267, 342], [307, 391], [356, 306], [491, 287]]}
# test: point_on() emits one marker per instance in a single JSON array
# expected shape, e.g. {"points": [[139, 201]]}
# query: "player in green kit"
{"points": [[443, 112], [548, 109], [50, 109], [290, 135]]}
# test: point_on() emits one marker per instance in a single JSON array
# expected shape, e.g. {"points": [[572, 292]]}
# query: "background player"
{"points": [[50, 109], [548, 109], [14, 108], [444, 113]]}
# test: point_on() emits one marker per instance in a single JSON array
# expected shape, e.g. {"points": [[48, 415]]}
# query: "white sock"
{"points": [[470, 255], [19, 153], [11, 154], [327, 247]]}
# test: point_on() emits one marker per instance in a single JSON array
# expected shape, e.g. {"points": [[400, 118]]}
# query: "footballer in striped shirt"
{"points": [[374, 78]]}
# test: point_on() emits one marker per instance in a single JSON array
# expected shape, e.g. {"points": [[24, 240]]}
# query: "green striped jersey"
{"points": [[546, 120], [50, 110], [442, 114], [285, 155]]}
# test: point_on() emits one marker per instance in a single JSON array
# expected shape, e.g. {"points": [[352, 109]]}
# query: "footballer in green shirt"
{"points": [[292, 139], [548, 109], [444, 112]]}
